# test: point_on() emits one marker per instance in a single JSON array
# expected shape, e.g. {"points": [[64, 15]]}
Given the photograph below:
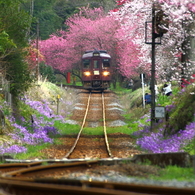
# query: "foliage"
{"points": [[16, 30], [43, 13], [54, 50], [66, 129], [52, 14], [47, 72], [168, 55], [32, 152], [13, 40], [180, 137], [110, 130], [17, 73], [33, 56], [34, 126], [6, 44], [164, 100], [48, 23], [5, 107], [173, 172], [182, 112], [155, 142], [138, 120], [89, 28], [86, 31]]}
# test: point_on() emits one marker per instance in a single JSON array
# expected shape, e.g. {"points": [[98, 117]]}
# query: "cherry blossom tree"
{"points": [[54, 49], [176, 43], [122, 34], [91, 29], [178, 40], [87, 31], [133, 14]]}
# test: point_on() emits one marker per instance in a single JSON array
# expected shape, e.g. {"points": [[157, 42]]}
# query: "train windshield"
{"points": [[86, 63], [106, 63], [96, 64]]}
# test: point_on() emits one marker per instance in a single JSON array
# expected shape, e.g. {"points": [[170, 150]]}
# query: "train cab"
{"points": [[96, 69]]}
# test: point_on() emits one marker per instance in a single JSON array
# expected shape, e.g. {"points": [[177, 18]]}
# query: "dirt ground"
{"points": [[90, 147], [121, 147]]}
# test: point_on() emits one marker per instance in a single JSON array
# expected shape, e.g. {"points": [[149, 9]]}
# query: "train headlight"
{"points": [[87, 73], [106, 73]]}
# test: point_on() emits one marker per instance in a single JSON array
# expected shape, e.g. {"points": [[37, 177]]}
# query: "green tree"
{"points": [[17, 72], [52, 14], [14, 21], [42, 12], [6, 44], [14, 25], [65, 8]]}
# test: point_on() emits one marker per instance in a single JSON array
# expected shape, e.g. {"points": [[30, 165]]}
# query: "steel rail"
{"points": [[99, 186], [17, 166], [104, 125], [56, 167], [24, 187], [141, 188], [82, 126]]}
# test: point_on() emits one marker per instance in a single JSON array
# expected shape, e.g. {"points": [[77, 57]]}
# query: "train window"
{"points": [[96, 64], [106, 63], [86, 63]]}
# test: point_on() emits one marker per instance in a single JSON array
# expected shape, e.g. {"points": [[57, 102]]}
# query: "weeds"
{"points": [[175, 173]]}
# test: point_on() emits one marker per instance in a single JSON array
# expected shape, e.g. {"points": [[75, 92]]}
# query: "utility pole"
{"points": [[143, 90], [158, 26], [37, 53], [31, 7], [152, 86], [159, 19]]}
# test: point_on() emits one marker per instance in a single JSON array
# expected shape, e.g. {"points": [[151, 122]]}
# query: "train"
{"points": [[96, 70]]}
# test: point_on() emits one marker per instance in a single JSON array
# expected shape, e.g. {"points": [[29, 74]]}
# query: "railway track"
{"points": [[29, 181], [4, 168], [89, 110], [42, 187]]}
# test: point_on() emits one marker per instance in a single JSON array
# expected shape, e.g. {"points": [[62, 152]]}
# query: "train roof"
{"points": [[102, 53]]}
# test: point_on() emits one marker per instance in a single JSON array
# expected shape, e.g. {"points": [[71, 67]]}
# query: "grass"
{"points": [[175, 173], [190, 148], [124, 129], [66, 128], [33, 152], [110, 130], [170, 172], [119, 90]]}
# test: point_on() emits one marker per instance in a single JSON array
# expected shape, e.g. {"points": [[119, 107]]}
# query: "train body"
{"points": [[96, 70]]}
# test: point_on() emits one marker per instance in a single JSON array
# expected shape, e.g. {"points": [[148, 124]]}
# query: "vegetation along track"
{"points": [[95, 110]]}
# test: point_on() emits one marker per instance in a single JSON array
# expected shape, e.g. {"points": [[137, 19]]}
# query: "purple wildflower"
{"points": [[155, 142]]}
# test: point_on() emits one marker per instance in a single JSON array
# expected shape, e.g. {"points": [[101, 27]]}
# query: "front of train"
{"points": [[96, 70]]}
